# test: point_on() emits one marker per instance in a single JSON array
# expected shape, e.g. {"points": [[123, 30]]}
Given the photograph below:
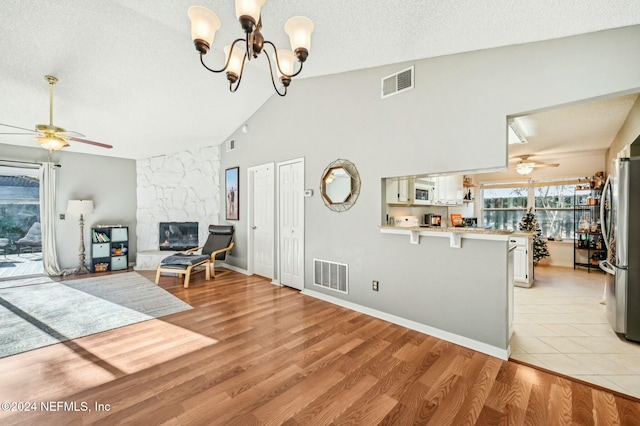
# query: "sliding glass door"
{"points": [[20, 234]]}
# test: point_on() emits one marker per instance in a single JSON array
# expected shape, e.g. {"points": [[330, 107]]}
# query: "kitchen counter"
{"points": [[455, 234]]}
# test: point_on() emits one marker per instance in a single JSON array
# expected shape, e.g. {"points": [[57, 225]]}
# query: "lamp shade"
{"points": [[249, 8], [51, 142], [299, 30], [79, 207], [286, 59], [204, 24], [236, 60]]}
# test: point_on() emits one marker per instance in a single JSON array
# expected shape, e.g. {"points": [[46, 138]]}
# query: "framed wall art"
{"points": [[232, 193]]}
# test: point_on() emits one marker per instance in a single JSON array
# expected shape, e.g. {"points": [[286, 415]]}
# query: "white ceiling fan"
{"points": [[50, 136], [526, 166]]}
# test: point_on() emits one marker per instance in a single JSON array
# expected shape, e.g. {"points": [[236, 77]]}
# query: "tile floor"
{"points": [[560, 325]]}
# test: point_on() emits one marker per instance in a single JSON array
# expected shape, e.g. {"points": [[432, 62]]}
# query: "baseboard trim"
{"points": [[422, 328], [235, 268]]}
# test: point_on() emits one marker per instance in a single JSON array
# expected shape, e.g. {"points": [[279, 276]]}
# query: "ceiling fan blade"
{"points": [[102, 145], [32, 131], [69, 133], [544, 165], [18, 134]]}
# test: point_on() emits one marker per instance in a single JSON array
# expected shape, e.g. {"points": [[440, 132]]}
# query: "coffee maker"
{"points": [[431, 219]]}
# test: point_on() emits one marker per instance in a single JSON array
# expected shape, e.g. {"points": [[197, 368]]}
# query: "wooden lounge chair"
{"points": [[218, 244]]}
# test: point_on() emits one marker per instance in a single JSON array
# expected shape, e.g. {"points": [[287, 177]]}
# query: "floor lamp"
{"points": [[80, 208]]}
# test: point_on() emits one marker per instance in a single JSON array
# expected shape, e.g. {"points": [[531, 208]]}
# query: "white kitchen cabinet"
{"points": [[454, 190], [399, 190], [522, 261], [449, 191]]}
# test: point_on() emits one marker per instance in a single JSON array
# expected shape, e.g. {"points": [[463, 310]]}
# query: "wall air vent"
{"points": [[331, 275], [231, 145], [398, 82]]}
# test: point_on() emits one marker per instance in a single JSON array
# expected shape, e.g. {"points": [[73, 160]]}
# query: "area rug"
{"points": [[42, 314], [18, 282]]}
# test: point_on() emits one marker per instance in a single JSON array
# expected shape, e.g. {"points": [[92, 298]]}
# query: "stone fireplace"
{"points": [[177, 188]]}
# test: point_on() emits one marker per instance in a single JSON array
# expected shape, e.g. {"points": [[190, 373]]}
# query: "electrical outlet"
{"points": [[375, 285]]}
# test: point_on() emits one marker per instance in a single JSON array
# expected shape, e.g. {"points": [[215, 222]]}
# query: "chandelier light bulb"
{"points": [[299, 30], [250, 9], [235, 61], [287, 60], [204, 24]]}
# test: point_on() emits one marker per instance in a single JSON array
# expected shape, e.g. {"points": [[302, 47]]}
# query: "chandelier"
{"points": [[205, 23]]}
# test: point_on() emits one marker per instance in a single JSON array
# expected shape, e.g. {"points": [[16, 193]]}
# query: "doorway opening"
{"points": [[20, 234]]}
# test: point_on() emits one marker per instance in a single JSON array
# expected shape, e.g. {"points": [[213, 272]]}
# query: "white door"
{"points": [[262, 226], [291, 223]]}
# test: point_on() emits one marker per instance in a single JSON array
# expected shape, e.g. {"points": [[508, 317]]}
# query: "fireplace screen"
{"points": [[178, 235]]}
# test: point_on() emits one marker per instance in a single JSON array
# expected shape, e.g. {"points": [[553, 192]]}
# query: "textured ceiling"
{"points": [[130, 77], [589, 126]]}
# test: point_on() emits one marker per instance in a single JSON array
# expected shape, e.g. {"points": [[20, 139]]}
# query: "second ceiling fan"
{"points": [[50, 136], [526, 166]]}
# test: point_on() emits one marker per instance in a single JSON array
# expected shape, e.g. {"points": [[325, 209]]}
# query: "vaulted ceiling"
{"points": [[130, 76]]}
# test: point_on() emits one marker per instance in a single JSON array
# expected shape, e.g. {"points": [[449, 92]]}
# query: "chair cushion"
{"points": [[34, 235], [182, 259], [216, 242]]}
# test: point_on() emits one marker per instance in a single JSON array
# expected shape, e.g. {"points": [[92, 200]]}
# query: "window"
{"points": [[554, 210], [503, 208]]}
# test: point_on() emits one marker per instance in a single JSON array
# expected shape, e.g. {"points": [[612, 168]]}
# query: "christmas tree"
{"points": [[530, 223]]}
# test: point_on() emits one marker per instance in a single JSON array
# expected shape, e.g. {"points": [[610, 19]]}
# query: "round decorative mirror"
{"points": [[340, 185]]}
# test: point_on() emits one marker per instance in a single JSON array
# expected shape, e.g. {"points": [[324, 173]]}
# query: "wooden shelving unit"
{"points": [[467, 186], [109, 248]]}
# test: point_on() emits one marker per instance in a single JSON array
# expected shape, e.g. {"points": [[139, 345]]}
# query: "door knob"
{"points": [[254, 227]]}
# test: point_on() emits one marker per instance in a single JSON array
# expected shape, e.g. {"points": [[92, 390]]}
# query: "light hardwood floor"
{"points": [[254, 353]]}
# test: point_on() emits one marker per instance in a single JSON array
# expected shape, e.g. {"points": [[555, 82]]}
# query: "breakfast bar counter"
{"points": [[455, 234]]}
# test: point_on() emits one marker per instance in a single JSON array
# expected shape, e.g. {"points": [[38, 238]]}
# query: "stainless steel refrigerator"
{"points": [[620, 219]]}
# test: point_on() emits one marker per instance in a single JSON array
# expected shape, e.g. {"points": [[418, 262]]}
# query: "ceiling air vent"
{"points": [[398, 82], [231, 145]]}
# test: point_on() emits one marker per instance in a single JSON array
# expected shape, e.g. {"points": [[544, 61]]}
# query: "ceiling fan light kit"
{"points": [[52, 137], [525, 166], [205, 23], [52, 143], [523, 169]]}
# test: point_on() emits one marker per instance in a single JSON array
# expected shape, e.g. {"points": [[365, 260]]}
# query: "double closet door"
{"points": [[287, 183]]}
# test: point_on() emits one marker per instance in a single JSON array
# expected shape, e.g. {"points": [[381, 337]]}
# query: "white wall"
{"points": [[454, 120], [108, 181], [629, 132], [560, 254]]}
